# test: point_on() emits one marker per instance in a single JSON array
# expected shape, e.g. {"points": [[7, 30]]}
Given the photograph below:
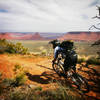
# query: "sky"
{"points": [[47, 15]]}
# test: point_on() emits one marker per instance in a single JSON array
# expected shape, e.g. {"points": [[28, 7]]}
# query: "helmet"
{"points": [[54, 43]]}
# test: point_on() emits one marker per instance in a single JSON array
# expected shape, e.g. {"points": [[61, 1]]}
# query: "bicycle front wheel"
{"points": [[58, 68], [80, 82]]}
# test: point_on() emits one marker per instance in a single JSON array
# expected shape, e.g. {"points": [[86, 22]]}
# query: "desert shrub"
{"points": [[17, 95], [1, 87], [3, 44], [0, 76], [80, 60], [93, 61], [20, 79], [26, 94], [58, 95], [61, 92], [8, 82], [10, 47], [16, 81], [38, 88], [17, 67], [43, 54], [97, 43]]}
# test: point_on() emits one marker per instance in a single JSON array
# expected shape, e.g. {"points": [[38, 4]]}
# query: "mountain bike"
{"points": [[75, 78]]}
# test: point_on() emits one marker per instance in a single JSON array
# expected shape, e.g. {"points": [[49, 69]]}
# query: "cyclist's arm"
{"points": [[56, 52]]}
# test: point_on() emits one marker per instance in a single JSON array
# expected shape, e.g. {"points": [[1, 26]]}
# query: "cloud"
{"points": [[46, 15], [95, 2]]}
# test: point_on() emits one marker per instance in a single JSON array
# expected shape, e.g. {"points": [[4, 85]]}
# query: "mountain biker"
{"points": [[57, 49], [65, 47]]}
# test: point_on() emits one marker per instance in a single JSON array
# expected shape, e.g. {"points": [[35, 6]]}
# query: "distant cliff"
{"points": [[76, 36], [81, 36], [21, 36]]}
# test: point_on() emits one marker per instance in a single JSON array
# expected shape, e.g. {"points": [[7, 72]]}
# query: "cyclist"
{"points": [[66, 47]]}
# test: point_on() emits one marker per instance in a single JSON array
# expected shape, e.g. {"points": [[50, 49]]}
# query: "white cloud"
{"points": [[46, 15]]}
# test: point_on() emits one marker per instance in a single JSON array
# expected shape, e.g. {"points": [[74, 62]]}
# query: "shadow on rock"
{"points": [[93, 77], [43, 78]]}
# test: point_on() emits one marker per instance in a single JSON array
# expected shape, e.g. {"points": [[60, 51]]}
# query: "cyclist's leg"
{"points": [[74, 68], [66, 64], [74, 62]]}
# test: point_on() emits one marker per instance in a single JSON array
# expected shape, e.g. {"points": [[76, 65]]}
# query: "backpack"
{"points": [[68, 45]]}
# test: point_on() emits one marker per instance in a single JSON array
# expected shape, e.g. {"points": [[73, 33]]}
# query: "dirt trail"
{"points": [[40, 72], [39, 68]]}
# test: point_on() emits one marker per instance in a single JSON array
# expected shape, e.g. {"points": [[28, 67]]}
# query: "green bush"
{"points": [[20, 79], [0, 76], [61, 92], [33, 94], [80, 60], [93, 61], [29, 94], [1, 87], [17, 95], [58, 95], [8, 82], [38, 89], [10, 47], [15, 82], [17, 67]]}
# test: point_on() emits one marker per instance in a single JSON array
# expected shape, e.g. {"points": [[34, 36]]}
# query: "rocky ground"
{"points": [[40, 72]]}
